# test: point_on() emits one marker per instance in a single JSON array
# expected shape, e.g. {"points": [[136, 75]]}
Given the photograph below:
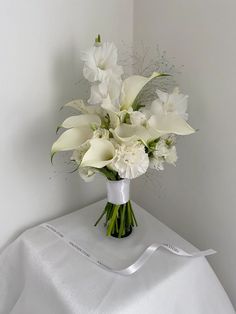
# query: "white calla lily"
{"points": [[132, 86], [114, 119], [87, 173], [79, 105], [81, 120], [128, 133], [170, 123], [100, 153], [71, 139]]}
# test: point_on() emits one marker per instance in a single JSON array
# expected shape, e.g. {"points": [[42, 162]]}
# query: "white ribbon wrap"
{"points": [[135, 266], [118, 191]]}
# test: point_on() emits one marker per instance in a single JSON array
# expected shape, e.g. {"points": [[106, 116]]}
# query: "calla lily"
{"points": [[100, 153], [71, 139], [81, 120], [128, 133], [114, 119], [79, 105], [170, 123], [132, 86]]}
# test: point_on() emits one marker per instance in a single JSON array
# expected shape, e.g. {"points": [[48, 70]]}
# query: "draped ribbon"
{"points": [[118, 191], [141, 260]]}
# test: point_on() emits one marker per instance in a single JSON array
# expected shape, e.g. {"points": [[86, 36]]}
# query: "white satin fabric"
{"points": [[118, 191], [41, 274]]}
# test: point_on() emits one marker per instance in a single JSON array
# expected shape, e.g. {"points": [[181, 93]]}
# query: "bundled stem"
{"points": [[119, 219]]}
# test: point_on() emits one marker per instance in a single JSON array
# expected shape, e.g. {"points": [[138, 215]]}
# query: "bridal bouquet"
{"points": [[116, 135]]}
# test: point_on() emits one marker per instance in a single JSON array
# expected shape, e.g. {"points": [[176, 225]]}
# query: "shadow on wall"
{"points": [[47, 191]]}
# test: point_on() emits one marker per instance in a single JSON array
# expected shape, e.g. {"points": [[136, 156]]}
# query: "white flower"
{"points": [[132, 86], [156, 163], [87, 173], [137, 118], [171, 158], [101, 133], [99, 154], [72, 139], [79, 153], [164, 151], [101, 62], [107, 94], [170, 103], [161, 149], [130, 161]]}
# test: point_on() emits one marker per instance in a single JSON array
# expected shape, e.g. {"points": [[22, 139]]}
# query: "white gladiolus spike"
{"points": [[72, 139], [132, 86], [81, 120], [101, 62], [107, 105], [170, 123], [174, 102], [100, 153], [109, 88]]}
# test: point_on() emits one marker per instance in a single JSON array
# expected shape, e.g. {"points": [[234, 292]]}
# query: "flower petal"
{"points": [[170, 123], [129, 133], [79, 105], [100, 154], [132, 86], [81, 120], [107, 105], [72, 139]]}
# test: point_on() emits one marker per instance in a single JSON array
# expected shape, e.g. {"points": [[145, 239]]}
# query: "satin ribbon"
{"points": [[118, 191], [142, 259]]}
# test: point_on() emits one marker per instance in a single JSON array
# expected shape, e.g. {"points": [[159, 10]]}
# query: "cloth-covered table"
{"points": [[41, 274]]}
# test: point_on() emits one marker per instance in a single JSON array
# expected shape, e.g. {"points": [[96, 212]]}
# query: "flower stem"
{"points": [[119, 219]]}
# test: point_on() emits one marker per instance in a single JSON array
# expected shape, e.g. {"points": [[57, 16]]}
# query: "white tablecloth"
{"points": [[41, 274]]}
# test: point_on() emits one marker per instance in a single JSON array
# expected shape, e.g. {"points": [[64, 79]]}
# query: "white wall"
{"points": [[39, 71], [198, 198]]}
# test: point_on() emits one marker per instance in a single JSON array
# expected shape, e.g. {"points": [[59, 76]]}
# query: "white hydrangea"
{"points": [[130, 161], [164, 151]]}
